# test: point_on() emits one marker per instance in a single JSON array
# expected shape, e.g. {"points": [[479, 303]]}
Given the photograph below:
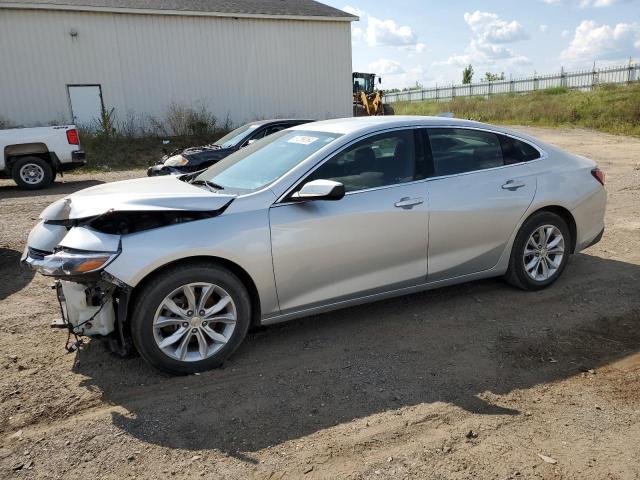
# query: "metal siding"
{"points": [[243, 68]]}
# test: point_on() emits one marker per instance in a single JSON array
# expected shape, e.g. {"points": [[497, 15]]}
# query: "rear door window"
{"points": [[460, 150], [516, 151]]}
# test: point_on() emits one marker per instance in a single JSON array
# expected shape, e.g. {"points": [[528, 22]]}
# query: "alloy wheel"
{"points": [[194, 322], [543, 253]]}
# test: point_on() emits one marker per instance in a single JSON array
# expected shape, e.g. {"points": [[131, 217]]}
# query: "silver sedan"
{"points": [[314, 218]]}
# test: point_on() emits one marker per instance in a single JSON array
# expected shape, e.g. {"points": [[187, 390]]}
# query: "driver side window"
{"points": [[378, 161]]}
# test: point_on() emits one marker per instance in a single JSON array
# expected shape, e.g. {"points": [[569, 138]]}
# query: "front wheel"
{"points": [[191, 318], [540, 252]]}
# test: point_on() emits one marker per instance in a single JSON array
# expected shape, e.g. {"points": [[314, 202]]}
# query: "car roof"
{"points": [[357, 124]]}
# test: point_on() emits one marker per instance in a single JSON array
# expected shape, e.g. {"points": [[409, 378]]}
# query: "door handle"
{"points": [[408, 203], [513, 185]]}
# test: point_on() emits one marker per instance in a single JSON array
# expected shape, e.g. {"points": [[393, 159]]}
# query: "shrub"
{"points": [[183, 121]]}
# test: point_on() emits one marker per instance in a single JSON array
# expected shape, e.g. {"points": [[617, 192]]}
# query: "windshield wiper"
{"points": [[212, 186]]}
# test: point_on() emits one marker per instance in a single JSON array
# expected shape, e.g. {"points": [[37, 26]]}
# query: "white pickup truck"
{"points": [[34, 156]]}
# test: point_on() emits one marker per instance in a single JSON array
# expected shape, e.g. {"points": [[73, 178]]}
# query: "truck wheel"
{"points": [[191, 318], [388, 109], [32, 173]]}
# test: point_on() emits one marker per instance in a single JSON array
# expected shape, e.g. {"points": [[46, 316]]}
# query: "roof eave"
{"points": [[191, 13]]}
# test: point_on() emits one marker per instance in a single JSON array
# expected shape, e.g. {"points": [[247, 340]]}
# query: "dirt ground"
{"points": [[472, 381]]}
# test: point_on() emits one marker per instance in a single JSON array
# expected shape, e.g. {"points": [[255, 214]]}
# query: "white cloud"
{"points": [[384, 66], [487, 46], [388, 32], [589, 3], [543, 28], [592, 41], [353, 11], [489, 28], [382, 32], [598, 3]]}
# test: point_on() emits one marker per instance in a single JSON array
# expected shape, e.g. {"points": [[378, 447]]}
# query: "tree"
{"points": [[467, 75], [493, 77]]}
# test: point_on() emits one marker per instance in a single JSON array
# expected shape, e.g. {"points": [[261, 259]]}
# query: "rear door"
{"points": [[477, 195]]}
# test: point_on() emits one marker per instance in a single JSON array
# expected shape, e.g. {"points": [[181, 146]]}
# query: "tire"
{"points": [[32, 173], [154, 342], [388, 109], [359, 111], [545, 255]]}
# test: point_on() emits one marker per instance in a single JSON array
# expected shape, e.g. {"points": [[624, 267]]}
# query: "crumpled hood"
{"points": [[144, 194]]}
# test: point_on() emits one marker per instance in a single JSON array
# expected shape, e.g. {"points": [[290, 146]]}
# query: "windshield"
{"points": [[234, 137], [266, 160]]}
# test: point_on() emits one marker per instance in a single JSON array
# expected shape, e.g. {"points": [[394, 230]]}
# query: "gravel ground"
{"points": [[471, 381]]}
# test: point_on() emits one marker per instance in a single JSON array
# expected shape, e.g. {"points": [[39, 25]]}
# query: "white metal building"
{"points": [[241, 59]]}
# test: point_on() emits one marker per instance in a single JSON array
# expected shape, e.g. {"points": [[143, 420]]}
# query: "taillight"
{"points": [[598, 175], [72, 137]]}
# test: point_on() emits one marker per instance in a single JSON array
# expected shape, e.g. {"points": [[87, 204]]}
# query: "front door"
{"points": [[373, 239], [86, 104]]}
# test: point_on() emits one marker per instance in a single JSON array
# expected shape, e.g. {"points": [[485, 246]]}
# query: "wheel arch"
{"points": [[563, 213], [233, 267], [12, 153]]}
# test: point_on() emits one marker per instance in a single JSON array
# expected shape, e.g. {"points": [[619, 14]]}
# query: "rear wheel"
{"points": [[540, 252], [191, 319], [388, 109], [32, 173]]}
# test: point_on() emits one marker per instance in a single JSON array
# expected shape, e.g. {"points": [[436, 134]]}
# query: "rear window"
{"points": [[516, 151], [459, 150]]}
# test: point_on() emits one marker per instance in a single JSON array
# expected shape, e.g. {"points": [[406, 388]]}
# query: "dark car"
{"points": [[193, 159]]}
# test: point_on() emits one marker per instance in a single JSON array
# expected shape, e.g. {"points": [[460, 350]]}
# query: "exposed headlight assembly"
{"points": [[176, 161], [70, 262]]}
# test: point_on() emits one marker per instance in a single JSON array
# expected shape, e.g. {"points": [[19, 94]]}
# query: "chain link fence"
{"points": [[578, 80]]}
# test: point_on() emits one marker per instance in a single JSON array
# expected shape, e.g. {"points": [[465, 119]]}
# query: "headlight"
{"points": [[71, 262], [176, 161]]}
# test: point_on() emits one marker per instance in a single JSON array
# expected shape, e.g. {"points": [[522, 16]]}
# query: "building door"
{"points": [[86, 104]]}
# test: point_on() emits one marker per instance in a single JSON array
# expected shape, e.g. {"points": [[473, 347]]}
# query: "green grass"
{"points": [[608, 108], [124, 153]]}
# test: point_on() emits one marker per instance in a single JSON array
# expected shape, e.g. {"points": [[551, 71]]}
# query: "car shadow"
{"points": [[457, 345], [10, 268], [10, 190]]}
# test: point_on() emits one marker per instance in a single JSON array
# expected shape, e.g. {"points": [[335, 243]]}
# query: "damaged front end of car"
{"points": [[74, 245], [92, 302]]}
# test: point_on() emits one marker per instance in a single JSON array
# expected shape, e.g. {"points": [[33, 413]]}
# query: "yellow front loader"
{"points": [[367, 99]]}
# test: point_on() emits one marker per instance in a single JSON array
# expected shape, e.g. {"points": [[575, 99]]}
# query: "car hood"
{"points": [[145, 194]]}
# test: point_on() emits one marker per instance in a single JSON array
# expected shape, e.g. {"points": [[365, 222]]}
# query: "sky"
{"points": [[426, 41]]}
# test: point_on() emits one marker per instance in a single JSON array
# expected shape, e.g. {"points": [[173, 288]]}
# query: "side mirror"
{"points": [[379, 79], [320, 190]]}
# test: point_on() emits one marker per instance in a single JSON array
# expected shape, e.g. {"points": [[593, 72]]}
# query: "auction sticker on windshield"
{"points": [[303, 140]]}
